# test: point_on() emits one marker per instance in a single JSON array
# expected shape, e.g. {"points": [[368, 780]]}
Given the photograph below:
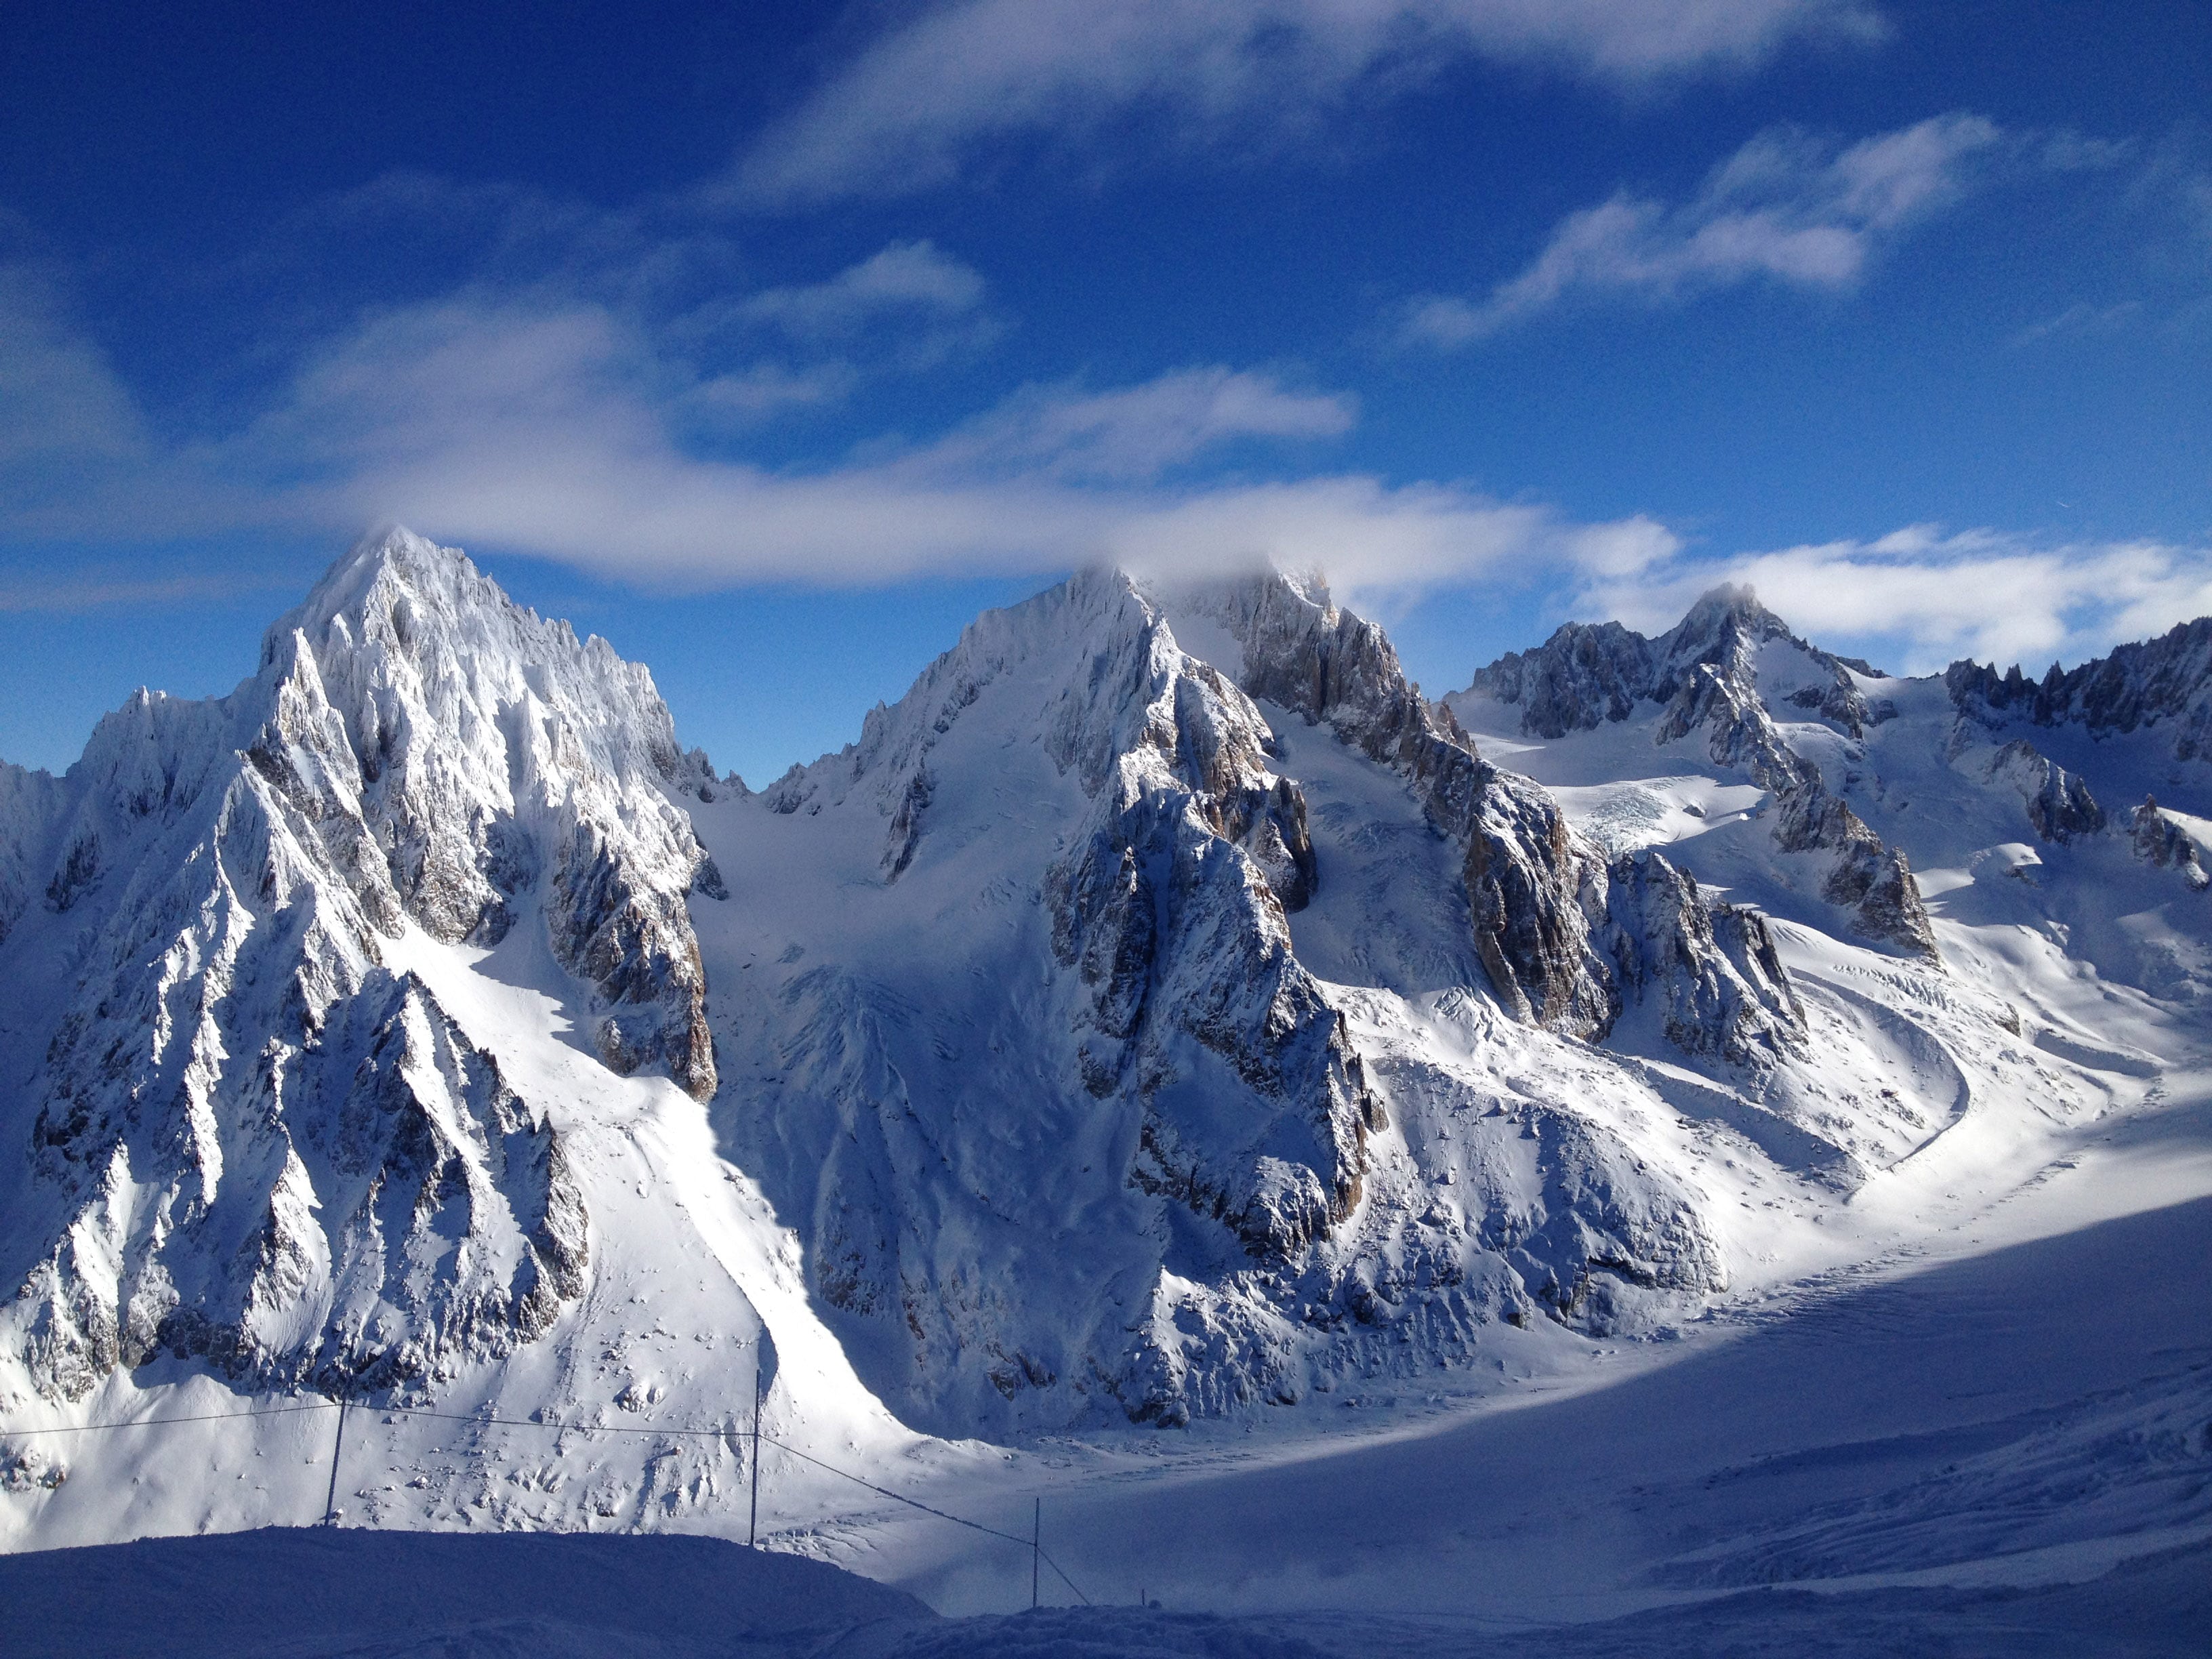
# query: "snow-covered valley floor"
{"points": [[1998, 1438], [2002, 1444], [2023, 1399]]}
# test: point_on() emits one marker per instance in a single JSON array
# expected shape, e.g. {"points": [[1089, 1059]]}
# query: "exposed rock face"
{"points": [[487, 747], [1536, 889], [1168, 910], [2167, 681], [1172, 912], [2162, 842], [1712, 673], [1713, 972], [1529, 878], [1585, 675], [2059, 804], [263, 1146]]}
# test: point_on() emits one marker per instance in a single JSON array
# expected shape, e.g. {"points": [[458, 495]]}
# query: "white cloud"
{"points": [[1134, 433], [1784, 208], [907, 308], [904, 279], [1917, 599], [914, 106], [555, 431], [559, 430], [1377, 544], [538, 433]]}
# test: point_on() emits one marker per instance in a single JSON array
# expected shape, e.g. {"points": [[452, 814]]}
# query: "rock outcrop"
{"points": [[2158, 840], [260, 1143], [2059, 805], [2166, 681], [1712, 673], [1536, 889]]}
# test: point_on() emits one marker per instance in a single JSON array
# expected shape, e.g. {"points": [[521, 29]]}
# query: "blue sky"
{"points": [[774, 341]]}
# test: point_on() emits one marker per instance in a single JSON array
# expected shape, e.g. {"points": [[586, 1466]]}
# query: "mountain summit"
{"points": [[1161, 1012]]}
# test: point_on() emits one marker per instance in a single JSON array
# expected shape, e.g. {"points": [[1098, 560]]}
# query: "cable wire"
{"points": [[1064, 1578], [886, 1491], [722, 1433], [558, 1428], [157, 1422]]}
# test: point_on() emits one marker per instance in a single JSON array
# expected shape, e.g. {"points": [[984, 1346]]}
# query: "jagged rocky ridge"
{"points": [[1566, 937], [1163, 1009], [1704, 674], [2157, 692], [2164, 683], [255, 1142], [1199, 1105]]}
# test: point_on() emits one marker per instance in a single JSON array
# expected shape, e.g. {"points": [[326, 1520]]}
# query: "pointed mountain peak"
{"points": [[378, 585], [1311, 584], [1729, 601], [392, 553]]}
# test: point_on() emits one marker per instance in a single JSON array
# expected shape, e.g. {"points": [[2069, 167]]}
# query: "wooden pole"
{"points": [[752, 1533], [331, 1505]]}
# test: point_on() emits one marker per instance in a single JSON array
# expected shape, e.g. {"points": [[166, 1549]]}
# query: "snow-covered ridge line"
{"points": [[1162, 1011], [252, 1141], [1704, 676]]}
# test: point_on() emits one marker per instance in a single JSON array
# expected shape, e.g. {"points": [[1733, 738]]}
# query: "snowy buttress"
{"points": [[251, 1140]]}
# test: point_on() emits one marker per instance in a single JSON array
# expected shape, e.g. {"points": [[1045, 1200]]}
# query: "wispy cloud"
{"points": [[556, 431], [1130, 434], [762, 389], [921, 100], [539, 433], [1920, 598], [910, 306], [58, 395], [904, 279], [2080, 318], [97, 592], [1786, 207]]}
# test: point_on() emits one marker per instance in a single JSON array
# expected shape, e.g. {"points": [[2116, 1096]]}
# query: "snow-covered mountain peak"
{"points": [[399, 617], [1728, 615], [219, 896], [1732, 674], [1161, 1009], [1060, 896]]}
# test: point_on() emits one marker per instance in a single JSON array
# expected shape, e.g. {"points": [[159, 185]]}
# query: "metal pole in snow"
{"points": [[330, 1505], [1036, 1549], [752, 1533]]}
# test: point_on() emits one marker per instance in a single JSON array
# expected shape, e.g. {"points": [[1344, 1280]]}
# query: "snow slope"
{"points": [[1161, 1018], [1998, 1444], [1127, 1045]]}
